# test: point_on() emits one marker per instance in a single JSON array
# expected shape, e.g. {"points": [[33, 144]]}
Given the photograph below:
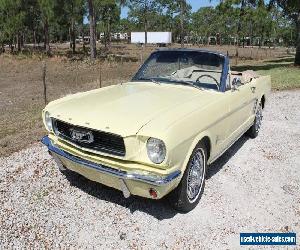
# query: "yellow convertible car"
{"points": [[155, 135]]}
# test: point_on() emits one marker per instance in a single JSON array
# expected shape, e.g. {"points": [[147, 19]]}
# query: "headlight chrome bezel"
{"points": [[156, 150], [48, 121]]}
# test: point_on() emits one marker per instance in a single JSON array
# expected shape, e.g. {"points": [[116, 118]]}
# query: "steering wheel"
{"points": [[209, 76]]}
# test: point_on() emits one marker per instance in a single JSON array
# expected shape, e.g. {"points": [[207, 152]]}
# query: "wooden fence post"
{"points": [[44, 82], [141, 56], [100, 75], [236, 55], [77, 70]]}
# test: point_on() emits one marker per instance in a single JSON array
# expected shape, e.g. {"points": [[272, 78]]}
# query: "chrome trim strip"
{"points": [[150, 179], [228, 114], [229, 145]]}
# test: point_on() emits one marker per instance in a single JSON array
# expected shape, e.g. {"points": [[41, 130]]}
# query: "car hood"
{"points": [[121, 109]]}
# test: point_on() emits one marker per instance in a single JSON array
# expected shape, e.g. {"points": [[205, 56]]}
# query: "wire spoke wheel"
{"points": [[258, 119], [188, 193], [196, 175]]}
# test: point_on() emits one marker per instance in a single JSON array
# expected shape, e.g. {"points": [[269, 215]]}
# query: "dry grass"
{"points": [[21, 90], [21, 93]]}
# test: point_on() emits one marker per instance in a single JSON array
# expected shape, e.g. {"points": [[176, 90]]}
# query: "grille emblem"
{"points": [[81, 136]]}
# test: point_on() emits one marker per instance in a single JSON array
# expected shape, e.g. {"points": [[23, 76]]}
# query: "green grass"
{"points": [[283, 73], [283, 77]]}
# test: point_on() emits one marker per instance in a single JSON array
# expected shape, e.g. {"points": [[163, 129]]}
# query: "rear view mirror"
{"points": [[236, 82]]}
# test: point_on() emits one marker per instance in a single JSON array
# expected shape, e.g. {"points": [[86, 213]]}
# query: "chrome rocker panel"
{"points": [[150, 179]]}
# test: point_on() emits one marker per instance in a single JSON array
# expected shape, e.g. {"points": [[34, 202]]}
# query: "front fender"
{"points": [[180, 155]]}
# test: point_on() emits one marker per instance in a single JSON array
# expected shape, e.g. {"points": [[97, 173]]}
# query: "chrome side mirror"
{"points": [[236, 82]]}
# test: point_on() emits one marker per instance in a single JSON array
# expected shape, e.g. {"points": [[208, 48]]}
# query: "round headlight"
{"points": [[48, 121], [156, 150]]}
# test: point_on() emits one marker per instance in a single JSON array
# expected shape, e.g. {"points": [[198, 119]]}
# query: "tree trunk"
{"points": [[146, 22], [22, 40], [11, 45], [182, 23], [19, 41], [146, 33], [242, 13], [297, 57], [46, 37], [2, 49], [73, 37], [109, 31], [34, 38], [92, 21], [70, 38], [105, 38], [82, 35]]}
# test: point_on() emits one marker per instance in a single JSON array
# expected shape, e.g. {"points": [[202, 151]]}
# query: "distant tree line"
{"points": [[236, 22]]}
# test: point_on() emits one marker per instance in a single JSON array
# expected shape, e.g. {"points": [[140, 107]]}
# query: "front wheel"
{"points": [[190, 189], [254, 129]]}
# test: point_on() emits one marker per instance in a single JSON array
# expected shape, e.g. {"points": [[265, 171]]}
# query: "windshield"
{"points": [[195, 68]]}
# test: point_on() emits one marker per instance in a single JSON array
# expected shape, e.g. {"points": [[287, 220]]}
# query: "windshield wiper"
{"points": [[154, 81], [190, 83], [149, 79], [172, 80], [157, 80]]}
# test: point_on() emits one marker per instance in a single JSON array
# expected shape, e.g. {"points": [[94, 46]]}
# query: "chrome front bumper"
{"points": [[154, 180]]}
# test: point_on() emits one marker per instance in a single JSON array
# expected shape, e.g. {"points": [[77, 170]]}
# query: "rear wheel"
{"points": [[190, 189], [254, 129]]}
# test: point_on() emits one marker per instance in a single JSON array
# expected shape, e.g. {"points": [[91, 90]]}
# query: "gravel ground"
{"points": [[253, 187]]}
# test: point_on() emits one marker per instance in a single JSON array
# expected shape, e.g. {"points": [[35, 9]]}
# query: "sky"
{"points": [[196, 4]]}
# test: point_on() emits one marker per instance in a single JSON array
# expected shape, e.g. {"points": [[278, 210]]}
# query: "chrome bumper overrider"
{"points": [[148, 178]]}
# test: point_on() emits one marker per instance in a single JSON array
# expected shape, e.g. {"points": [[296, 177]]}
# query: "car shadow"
{"points": [[282, 60], [160, 209], [156, 208]]}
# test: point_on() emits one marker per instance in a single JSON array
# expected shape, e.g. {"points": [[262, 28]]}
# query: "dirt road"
{"points": [[253, 187]]}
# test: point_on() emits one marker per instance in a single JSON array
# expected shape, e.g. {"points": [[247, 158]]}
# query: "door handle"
{"points": [[253, 89]]}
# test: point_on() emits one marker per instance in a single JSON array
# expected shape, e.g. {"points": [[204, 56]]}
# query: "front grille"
{"points": [[102, 141]]}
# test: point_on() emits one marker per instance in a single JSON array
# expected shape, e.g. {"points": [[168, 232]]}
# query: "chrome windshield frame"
{"points": [[225, 68]]}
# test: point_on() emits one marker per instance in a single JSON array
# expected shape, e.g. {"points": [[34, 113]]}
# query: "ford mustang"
{"points": [[155, 135]]}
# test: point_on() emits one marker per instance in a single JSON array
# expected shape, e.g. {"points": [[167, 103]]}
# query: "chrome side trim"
{"points": [[150, 179], [228, 114], [229, 146]]}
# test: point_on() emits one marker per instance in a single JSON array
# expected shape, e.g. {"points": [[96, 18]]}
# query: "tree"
{"points": [[74, 9], [291, 8], [226, 22], [182, 7], [46, 9], [140, 10], [92, 20], [108, 12], [241, 19], [204, 21], [32, 18], [12, 18], [178, 13]]}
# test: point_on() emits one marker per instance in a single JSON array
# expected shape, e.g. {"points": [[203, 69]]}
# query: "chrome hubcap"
{"points": [[195, 175], [258, 119]]}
